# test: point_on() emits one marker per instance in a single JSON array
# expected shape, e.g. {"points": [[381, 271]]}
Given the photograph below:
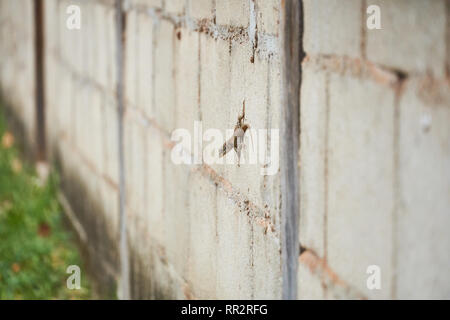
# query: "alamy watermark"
{"points": [[374, 280], [374, 17], [74, 280], [74, 19]]}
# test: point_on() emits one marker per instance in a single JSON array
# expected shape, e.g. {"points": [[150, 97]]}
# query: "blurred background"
{"points": [[92, 90]]}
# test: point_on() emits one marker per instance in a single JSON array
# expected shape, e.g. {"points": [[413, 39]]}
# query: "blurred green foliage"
{"points": [[35, 248]]}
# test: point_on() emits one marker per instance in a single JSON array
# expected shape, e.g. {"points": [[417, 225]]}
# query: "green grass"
{"points": [[35, 248]]}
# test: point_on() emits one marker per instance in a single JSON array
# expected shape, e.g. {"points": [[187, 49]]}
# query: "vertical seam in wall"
{"points": [[325, 176], [292, 53], [253, 29], [39, 35], [123, 246], [447, 38], [363, 29], [213, 10]]}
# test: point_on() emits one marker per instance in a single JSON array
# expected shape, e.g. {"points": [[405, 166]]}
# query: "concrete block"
{"points": [[90, 40], [332, 28], [145, 65], [101, 45], [274, 84], [175, 6], [148, 3], [164, 76], [309, 285], [64, 32], [407, 40], [203, 229], [424, 173], [266, 263], [360, 197], [52, 124], [128, 140], [235, 277], [76, 45], [270, 190], [233, 13], [178, 216], [51, 10], [139, 155], [110, 203], [201, 9], [214, 81], [111, 51], [131, 62], [268, 16], [313, 104], [168, 284], [135, 165], [65, 101], [109, 223], [155, 187], [187, 78], [214, 86], [81, 119], [97, 134], [111, 143]]}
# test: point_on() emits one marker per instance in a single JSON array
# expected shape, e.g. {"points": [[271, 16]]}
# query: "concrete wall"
{"points": [[375, 150], [193, 231], [374, 142]]}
